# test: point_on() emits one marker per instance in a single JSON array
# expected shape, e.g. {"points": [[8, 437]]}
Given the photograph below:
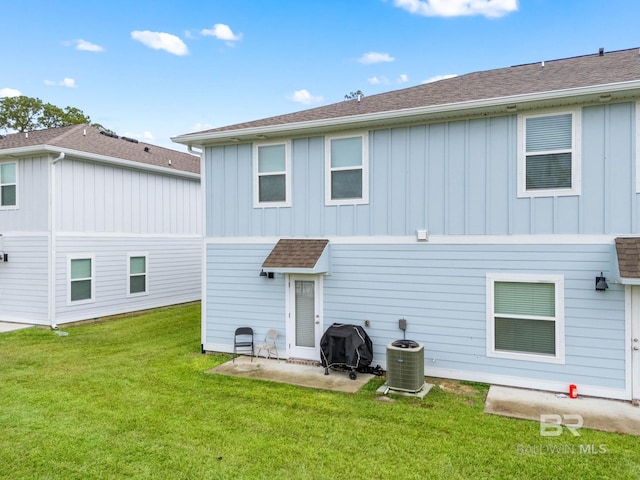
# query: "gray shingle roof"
{"points": [[628, 251], [295, 253], [85, 138], [582, 71]]}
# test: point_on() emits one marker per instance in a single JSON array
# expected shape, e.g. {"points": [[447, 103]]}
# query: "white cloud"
{"points": [[439, 77], [375, 57], [161, 41], [222, 32], [67, 82], [403, 78], [378, 80], [9, 92], [303, 96], [83, 45], [456, 8]]}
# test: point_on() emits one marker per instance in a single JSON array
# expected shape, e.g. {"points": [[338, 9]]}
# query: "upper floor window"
{"points": [[272, 177], [8, 185], [347, 170], [549, 154], [525, 317], [137, 274]]}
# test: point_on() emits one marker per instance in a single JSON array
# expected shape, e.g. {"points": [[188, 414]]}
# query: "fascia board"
{"points": [[93, 157], [493, 105]]}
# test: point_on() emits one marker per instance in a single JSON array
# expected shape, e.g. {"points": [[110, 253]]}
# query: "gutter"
{"points": [[30, 150], [488, 105], [53, 239]]}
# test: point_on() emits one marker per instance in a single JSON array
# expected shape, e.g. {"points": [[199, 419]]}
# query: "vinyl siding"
{"points": [[441, 291], [33, 198], [451, 178], [24, 279], [173, 273], [103, 198]]}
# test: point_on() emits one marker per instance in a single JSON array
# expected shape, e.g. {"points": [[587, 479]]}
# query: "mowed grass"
{"points": [[129, 398]]}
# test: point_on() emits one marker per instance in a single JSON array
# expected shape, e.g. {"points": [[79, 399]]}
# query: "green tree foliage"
{"points": [[354, 95], [25, 113]]}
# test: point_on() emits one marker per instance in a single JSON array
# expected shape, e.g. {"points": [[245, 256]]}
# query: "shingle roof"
{"points": [[295, 253], [628, 250], [85, 138], [554, 75]]}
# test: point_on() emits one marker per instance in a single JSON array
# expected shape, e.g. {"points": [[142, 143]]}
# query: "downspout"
{"points": [[203, 255], [53, 241]]}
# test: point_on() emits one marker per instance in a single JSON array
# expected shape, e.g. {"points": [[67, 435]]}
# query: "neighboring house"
{"points": [[480, 209], [92, 224]]}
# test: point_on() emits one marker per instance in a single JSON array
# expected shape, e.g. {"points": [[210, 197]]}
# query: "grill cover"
{"points": [[347, 346]]}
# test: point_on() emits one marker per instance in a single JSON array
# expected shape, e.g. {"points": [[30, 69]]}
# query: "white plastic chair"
{"points": [[269, 344]]}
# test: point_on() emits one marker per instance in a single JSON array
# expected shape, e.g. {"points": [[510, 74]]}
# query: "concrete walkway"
{"points": [[596, 413], [10, 327]]}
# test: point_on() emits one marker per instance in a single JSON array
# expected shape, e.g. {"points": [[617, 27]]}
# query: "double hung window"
{"points": [[549, 154], [137, 274], [81, 279], [8, 185], [346, 170], [525, 317], [272, 176]]}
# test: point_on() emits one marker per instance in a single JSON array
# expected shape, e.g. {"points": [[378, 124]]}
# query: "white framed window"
{"points": [[272, 174], [8, 185], [80, 272], [549, 154], [347, 169], [525, 317], [137, 265]]}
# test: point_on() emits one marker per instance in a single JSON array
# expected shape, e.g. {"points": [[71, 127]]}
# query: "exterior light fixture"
{"points": [[266, 274], [601, 283]]}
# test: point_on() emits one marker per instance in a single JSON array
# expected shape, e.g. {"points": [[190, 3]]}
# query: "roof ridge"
{"points": [[64, 135]]}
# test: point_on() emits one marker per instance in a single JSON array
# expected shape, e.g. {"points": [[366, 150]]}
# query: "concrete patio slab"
{"points": [[10, 327], [597, 413], [292, 373]]}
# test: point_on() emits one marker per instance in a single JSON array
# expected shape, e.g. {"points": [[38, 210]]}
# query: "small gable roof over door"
{"points": [[298, 256], [628, 260]]}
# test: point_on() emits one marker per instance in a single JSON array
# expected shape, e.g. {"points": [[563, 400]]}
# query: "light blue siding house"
{"points": [[480, 208], [93, 224]]}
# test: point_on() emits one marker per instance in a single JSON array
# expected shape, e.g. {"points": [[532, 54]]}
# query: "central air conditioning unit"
{"points": [[405, 366]]}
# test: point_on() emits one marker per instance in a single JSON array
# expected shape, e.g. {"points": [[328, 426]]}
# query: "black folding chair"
{"points": [[243, 339]]}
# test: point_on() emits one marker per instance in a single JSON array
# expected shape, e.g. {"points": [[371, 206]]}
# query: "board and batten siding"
{"points": [[174, 268], [450, 178], [96, 197], [32, 214], [24, 279], [441, 291]]}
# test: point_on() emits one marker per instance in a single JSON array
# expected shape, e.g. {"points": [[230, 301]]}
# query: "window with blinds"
{"points": [[549, 155], [81, 285], [8, 185], [346, 170], [525, 316], [272, 178]]}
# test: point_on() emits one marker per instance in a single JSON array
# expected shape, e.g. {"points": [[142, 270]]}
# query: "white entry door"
{"points": [[635, 342], [304, 316]]}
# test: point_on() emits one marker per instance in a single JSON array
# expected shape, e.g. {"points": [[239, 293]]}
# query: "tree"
{"points": [[354, 95], [25, 113]]}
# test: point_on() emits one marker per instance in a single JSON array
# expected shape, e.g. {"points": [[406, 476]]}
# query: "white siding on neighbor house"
{"points": [[173, 273], [24, 279], [441, 291], [32, 213], [450, 178], [96, 197]]}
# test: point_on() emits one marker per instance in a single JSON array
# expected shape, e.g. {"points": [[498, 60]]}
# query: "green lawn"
{"points": [[128, 398]]}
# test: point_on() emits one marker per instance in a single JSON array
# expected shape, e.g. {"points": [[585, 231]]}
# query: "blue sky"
{"points": [[157, 69]]}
